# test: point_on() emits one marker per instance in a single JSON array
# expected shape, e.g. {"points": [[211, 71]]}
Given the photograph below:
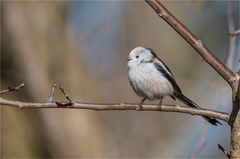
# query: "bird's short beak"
{"points": [[129, 59]]}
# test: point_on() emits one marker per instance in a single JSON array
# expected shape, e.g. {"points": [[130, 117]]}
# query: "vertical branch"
{"points": [[228, 62], [232, 38], [234, 122], [234, 119]]}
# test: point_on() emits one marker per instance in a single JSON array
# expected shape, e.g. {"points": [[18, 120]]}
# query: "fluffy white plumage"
{"points": [[144, 77], [151, 79]]}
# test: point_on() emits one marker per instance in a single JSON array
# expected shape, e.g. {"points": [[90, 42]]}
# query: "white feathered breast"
{"points": [[148, 82]]}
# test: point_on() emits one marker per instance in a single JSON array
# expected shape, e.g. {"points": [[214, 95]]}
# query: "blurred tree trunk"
{"points": [[39, 48]]}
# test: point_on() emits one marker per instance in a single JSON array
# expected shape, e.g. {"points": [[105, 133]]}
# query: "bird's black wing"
{"points": [[155, 56], [161, 67], [166, 72]]}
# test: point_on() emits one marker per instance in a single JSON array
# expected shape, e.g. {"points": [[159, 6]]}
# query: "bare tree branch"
{"points": [[234, 119], [232, 78], [97, 106], [10, 89], [229, 63], [195, 42], [234, 122], [100, 106]]}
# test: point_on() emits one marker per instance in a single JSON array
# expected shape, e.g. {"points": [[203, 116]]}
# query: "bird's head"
{"points": [[140, 55]]}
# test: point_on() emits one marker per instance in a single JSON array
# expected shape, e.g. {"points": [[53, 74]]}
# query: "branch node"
{"points": [[162, 14], [199, 44], [64, 105], [177, 106], [20, 106]]}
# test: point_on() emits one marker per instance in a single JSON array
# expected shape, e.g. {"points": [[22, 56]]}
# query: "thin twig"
{"points": [[52, 92], [99, 106], [65, 94], [224, 151], [10, 89]]}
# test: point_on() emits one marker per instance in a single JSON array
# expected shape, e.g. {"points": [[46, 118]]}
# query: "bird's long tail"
{"points": [[190, 103]]}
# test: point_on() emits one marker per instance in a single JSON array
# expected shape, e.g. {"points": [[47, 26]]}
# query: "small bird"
{"points": [[151, 79]]}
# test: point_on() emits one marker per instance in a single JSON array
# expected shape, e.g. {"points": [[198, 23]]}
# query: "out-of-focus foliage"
{"points": [[83, 46]]}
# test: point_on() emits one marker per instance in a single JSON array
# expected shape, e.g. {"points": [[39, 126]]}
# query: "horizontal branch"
{"points": [[122, 106], [195, 42]]}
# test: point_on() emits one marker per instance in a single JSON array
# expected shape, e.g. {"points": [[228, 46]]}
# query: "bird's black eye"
{"points": [[137, 56]]}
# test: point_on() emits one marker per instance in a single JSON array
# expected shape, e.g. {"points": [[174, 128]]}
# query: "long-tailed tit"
{"points": [[151, 79]]}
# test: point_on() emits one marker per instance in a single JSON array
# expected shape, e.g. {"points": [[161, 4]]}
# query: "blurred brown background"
{"points": [[83, 46]]}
